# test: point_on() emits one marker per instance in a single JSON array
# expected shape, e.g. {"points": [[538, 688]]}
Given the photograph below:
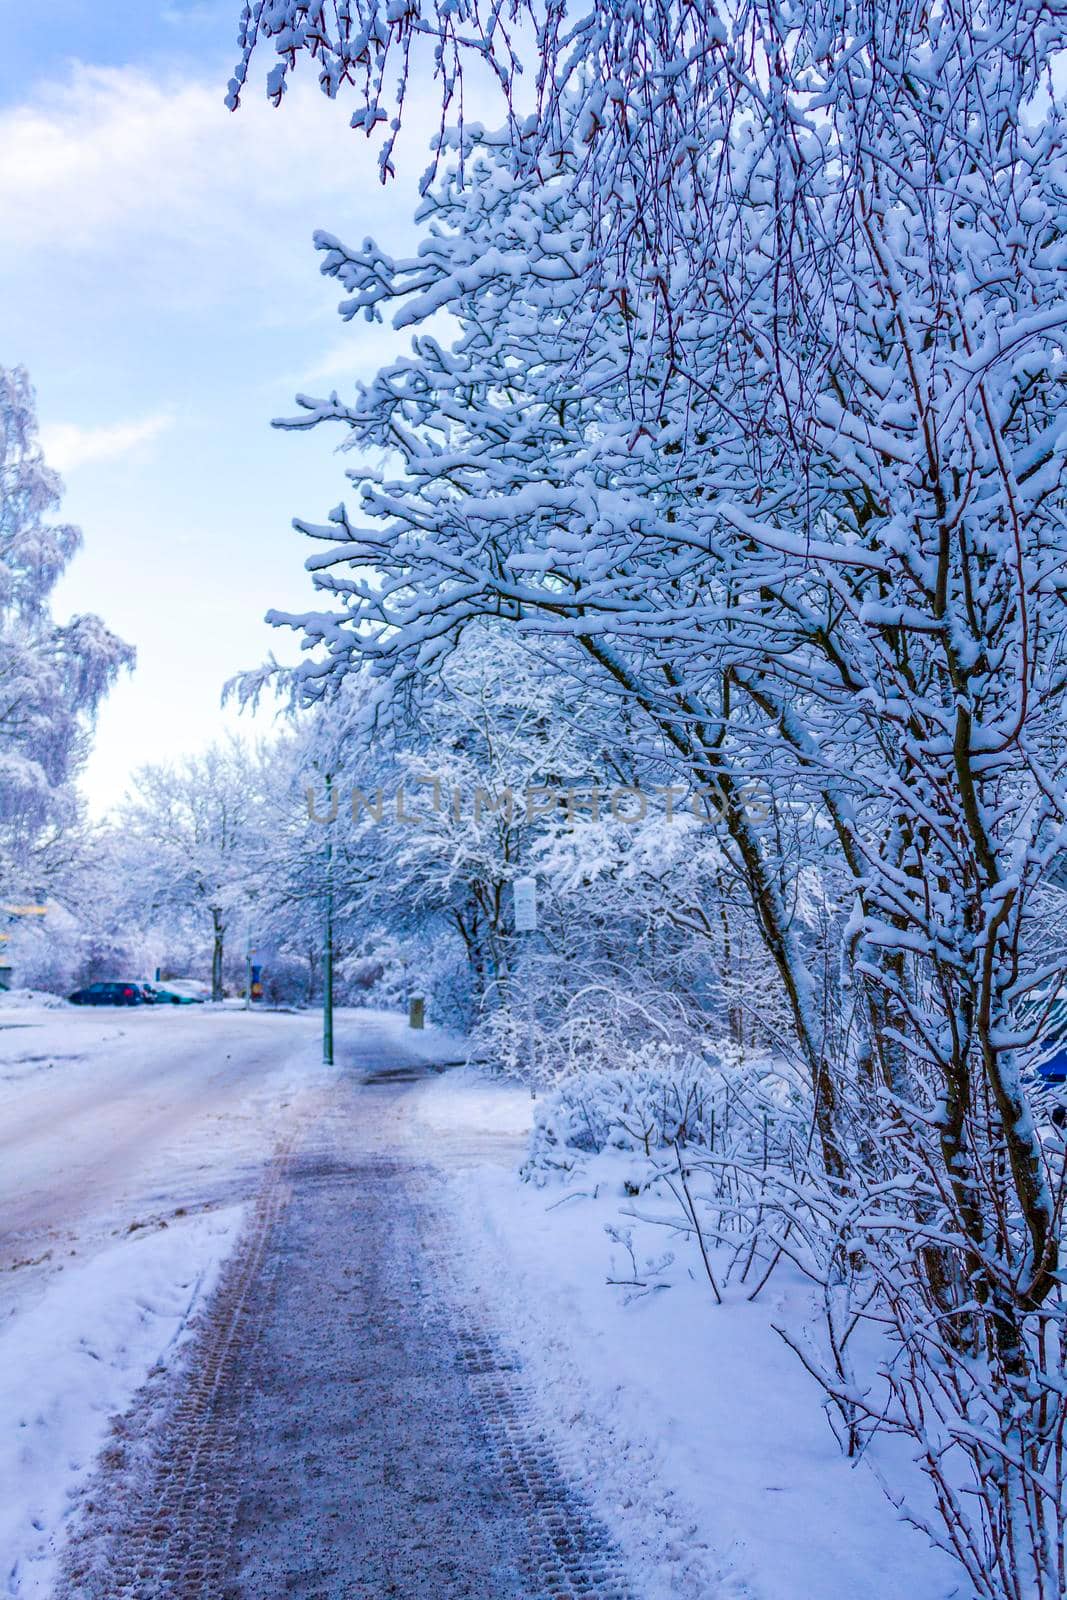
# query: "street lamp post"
{"points": [[524, 901], [327, 942]]}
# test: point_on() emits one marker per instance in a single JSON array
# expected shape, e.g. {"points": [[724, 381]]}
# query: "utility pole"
{"points": [[327, 941], [248, 965]]}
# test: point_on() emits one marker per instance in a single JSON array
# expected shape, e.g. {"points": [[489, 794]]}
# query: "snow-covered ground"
{"points": [[129, 1142], [684, 1414], [112, 1120], [74, 1360]]}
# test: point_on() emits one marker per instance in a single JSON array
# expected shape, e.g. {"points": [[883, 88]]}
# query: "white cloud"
{"points": [[67, 445], [114, 161]]}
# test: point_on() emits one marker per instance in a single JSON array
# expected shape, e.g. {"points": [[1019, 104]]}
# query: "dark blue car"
{"points": [[108, 994], [1054, 1068], [1050, 1065]]}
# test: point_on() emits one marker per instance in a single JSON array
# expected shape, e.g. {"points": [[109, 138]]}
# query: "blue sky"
{"points": [[158, 281]]}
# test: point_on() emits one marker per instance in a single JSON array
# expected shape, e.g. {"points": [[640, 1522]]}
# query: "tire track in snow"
{"points": [[167, 1534]]}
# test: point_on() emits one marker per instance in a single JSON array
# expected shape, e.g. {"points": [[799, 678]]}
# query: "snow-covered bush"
{"points": [[550, 1026], [717, 1105], [44, 953], [651, 1106]]}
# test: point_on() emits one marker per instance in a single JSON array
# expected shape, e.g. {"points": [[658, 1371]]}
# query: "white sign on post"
{"points": [[524, 893]]}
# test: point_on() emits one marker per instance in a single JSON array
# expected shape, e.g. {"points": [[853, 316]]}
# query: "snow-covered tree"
{"points": [[430, 826], [52, 675], [196, 838], [756, 416]]}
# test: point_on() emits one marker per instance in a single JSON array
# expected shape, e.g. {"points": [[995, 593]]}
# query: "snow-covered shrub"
{"points": [[384, 972], [687, 1144], [707, 1106], [44, 957], [554, 1017], [105, 955], [656, 1104], [636, 1115], [284, 979]]}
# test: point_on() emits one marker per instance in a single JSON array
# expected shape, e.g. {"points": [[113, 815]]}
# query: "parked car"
{"points": [[1053, 1070], [1049, 1071], [189, 988], [110, 993], [166, 994]]}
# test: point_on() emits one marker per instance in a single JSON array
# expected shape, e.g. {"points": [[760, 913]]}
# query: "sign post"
{"points": [[524, 893]]}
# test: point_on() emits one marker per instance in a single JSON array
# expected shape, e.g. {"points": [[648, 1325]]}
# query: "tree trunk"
{"points": [[218, 931]]}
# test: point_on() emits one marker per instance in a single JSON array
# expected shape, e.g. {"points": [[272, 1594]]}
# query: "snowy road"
{"points": [[113, 1120]]}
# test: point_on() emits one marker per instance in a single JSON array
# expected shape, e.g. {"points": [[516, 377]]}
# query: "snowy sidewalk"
{"points": [[345, 1426]]}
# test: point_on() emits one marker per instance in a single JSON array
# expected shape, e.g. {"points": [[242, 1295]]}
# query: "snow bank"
{"points": [[38, 999], [76, 1359], [703, 1438]]}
